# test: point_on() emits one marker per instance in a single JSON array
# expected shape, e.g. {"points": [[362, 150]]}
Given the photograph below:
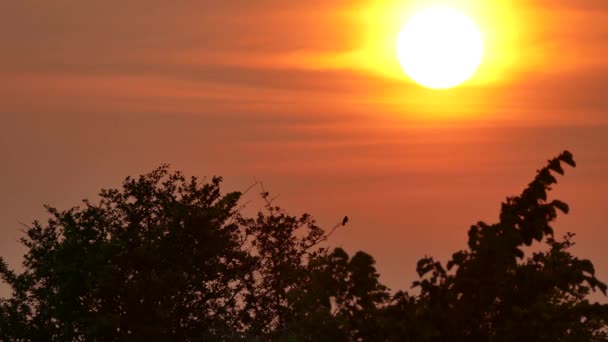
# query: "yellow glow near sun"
{"points": [[383, 21], [440, 47], [374, 27]]}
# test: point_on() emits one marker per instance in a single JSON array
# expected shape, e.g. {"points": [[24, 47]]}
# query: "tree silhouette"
{"points": [[158, 259], [170, 258], [490, 292]]}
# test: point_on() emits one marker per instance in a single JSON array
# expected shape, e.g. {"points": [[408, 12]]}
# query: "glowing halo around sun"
{"points": [[440, 47]]}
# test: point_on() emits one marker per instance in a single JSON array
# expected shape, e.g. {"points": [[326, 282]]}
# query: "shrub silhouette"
{"points": [[490, 292], [170, 258]]}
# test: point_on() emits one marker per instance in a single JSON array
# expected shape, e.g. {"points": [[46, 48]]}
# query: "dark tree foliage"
{"points": [[159, 258], [170, 258], [491, 292]]}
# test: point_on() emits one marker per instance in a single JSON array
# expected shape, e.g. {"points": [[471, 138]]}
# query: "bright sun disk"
{"points": [[440, 47]]}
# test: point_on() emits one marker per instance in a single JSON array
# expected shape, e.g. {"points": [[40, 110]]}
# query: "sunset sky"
{"points": [[309, 97]]}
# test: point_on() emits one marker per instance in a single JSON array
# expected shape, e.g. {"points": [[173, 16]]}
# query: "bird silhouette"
{"points": [[344, 220]]}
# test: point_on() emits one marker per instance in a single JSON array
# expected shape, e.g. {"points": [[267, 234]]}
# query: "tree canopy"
{"points": [[167, 257]]}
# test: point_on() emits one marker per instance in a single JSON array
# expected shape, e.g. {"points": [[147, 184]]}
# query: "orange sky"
{"points": [[307, 97]]}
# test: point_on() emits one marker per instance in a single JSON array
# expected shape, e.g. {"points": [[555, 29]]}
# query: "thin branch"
{"points": [[326, 236], [255, 182]]}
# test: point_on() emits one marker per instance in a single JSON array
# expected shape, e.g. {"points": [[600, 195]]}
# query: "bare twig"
{"points": [[255, 182], [326, 236]]}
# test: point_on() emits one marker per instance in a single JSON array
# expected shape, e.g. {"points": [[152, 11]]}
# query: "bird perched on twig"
{"points": [[344, 220]]}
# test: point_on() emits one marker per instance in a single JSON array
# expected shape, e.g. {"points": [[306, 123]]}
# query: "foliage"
{"points": [[170, 258], [157, 259], [490, 292]]}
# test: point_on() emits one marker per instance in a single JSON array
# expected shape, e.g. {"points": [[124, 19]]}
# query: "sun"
{"points": [[440, 47]]}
